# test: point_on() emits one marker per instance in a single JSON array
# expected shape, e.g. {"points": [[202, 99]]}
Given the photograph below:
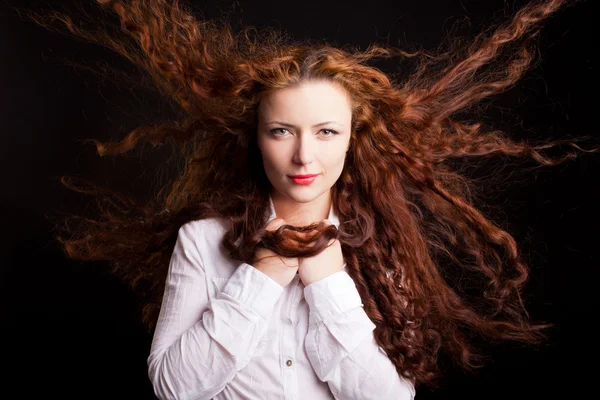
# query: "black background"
{"points": [[71, 330]]}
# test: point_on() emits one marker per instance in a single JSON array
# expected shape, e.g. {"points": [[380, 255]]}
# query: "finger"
{"points": [[274, 224], [290, 263], [327, 222]]}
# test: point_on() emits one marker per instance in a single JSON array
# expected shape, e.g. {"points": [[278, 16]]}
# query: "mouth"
{"points": [[303, 179], [302, 176]]}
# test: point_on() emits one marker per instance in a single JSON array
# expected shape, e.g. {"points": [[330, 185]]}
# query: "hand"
{"points": [[327, 262], [281, 269]]}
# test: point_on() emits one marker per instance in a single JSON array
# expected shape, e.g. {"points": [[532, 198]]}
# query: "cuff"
{"points": [[331, 296], [254, 289]]}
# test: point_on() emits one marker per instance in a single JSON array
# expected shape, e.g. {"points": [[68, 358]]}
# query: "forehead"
{"points": [[311, 99]]}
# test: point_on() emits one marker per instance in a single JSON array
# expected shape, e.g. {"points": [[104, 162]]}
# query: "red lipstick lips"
{"points": [[302, 176], [303, 179]]}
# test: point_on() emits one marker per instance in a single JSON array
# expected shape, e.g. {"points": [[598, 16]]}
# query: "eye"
{"points": [[277, 132], [333, 133], [273, 131]]}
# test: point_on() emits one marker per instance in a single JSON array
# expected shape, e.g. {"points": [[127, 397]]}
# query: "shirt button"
{"points": [[288, 363]]}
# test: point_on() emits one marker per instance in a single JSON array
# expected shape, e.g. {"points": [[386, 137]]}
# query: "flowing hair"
{"points": [[408, 221]]}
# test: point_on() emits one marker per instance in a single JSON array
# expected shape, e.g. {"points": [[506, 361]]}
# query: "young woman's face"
{"points": [[304, 129]]}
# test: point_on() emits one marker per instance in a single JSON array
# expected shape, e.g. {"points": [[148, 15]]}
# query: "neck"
{"points": [[301, 214]]}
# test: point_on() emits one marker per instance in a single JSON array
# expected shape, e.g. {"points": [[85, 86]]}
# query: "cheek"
{"points": [[272, 157], [335, 165]]}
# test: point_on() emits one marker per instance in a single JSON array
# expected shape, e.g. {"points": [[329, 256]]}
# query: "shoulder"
{"points": [[201, 229], [203, 235]]}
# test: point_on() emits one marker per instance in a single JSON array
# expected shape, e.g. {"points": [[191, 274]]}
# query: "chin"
{"points": [[303, 195]]}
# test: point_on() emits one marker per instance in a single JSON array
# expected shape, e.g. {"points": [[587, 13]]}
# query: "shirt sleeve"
{"points": [[199, 345], [341, 346]]}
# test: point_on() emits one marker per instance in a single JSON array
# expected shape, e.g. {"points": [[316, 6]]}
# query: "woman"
{"points": [[263, 284], [236, 330]]}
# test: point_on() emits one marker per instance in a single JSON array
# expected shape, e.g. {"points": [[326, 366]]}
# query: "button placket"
{"points": [[289, 346]]}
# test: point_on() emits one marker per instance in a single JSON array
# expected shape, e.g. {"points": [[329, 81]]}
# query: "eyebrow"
{"points": [[292, 126]]}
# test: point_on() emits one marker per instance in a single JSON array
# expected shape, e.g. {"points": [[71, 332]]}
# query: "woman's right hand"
{"points": [[281, 269]]}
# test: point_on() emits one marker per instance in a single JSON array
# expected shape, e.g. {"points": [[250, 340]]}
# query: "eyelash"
{"points": [[334, 132]]}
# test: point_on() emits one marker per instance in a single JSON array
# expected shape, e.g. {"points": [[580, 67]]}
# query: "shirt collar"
{"points": [[333, 218]]}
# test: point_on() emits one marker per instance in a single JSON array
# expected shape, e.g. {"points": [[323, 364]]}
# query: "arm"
{"points": [[198, 346], [341, 346]]}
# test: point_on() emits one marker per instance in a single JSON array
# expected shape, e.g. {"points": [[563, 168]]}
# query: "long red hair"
{"points": [[408, 221]]}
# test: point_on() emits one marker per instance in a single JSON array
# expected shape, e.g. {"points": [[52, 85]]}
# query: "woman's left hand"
{"points": [[327, 262]]}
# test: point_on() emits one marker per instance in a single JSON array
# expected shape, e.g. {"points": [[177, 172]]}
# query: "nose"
{"points": [[306, 148]]}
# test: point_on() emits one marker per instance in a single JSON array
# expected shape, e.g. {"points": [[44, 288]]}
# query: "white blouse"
{"points": [[228, 331]]}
